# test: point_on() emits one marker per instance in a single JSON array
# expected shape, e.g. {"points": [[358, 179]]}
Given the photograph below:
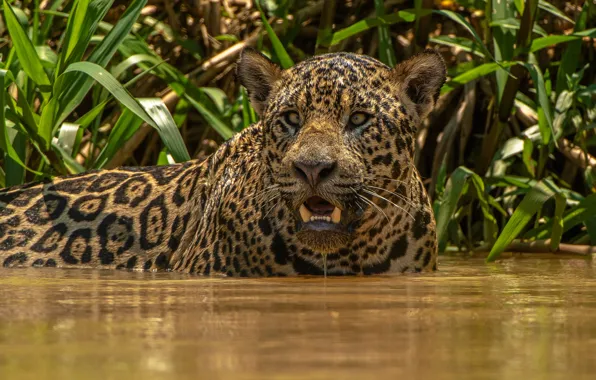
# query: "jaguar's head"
{"points": [[334, 125]]}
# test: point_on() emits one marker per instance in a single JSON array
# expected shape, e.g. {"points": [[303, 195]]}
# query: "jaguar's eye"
{"points": [[291, 118], [359, 118]]}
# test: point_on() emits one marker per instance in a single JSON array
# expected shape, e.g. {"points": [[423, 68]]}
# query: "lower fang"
{"points": [[336, 215]]}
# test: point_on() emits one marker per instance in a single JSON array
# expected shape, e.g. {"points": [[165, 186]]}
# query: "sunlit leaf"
{"points": [[160, 118], [473, 74], [25, 51], [529, 206]]}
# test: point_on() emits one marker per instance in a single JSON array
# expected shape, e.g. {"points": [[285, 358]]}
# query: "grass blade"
{"points": [[183, 87], [456, 186], [529, 206], [548, 7], [514, 24], [283, 56], [67, 137], [134, 60], [585, 210], [543, 99], [557, 231], [473, 74], [166, 127], [163, 124], [386, 51], [462, 43], [555, 39], [73, 88], [126, 126], [408, 15], [248, 113], [569, 60], [81, 25], [26, 52], [5, 143]]}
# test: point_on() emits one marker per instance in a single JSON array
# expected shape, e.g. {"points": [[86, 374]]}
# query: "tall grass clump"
{"points": [[508, 153]]}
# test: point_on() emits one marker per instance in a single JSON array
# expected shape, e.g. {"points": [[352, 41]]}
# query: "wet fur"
{"points": [[235, 213]]}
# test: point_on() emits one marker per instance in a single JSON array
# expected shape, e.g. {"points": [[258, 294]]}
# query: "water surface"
{"points": [[517, 319]]}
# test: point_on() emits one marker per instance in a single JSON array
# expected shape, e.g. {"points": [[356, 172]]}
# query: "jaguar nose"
{"points": [[314, 172]]}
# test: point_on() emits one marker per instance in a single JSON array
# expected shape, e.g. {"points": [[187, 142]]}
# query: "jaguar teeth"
{"points": [[307, 215], [336, 215]]}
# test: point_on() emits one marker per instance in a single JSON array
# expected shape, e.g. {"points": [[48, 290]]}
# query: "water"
{"points": [[518, 319]]}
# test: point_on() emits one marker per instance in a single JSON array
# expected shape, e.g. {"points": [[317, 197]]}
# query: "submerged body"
{"points": [[327, 172]]}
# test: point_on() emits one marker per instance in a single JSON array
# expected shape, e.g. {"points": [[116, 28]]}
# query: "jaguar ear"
{"points": [[421, 78], [258, 74]]}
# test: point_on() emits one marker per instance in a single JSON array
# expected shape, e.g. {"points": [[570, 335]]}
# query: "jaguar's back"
{"points": [[130, 218]]}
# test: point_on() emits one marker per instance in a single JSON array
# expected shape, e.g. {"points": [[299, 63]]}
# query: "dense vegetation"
{"points": [[507, 154]]}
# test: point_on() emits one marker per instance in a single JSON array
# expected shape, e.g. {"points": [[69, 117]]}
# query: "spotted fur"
{"points": [[236, 213]]}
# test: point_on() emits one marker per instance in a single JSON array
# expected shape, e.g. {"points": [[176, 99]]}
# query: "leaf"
{"points": [[28, 57], [407, 15], [528, 149], [572, 52], [473, 74], [166, 127], [48, 21], [219, 98], [211, 118], [459, 19], [47, 56], [462, 43], [74, 87], [15, 173], [555, 39], [548, 7], [67, 137], [557, 231], [126, 126], [585, 210], [284, 58], [454, 189], [503, 40], [70, 163], [163, 123], [248, 113], [386, 51], [514, 24], [5, 143], [528, 207], [183, 87], [81, 25], [131, 61], [543, 100]]}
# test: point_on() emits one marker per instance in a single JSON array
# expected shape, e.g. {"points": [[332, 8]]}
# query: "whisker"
{"points": [[387, 200], [386, 179], [372, 204], [273, 207], [400, 196], [260, 192]]}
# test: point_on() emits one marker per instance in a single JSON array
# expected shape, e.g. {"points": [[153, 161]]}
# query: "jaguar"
{"points": [[324, 183]]}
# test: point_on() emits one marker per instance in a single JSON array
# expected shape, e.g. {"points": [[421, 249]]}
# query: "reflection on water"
{"points": [[534, 318]]}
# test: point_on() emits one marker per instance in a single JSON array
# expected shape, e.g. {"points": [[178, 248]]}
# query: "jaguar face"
{"points": [[337, 129]]}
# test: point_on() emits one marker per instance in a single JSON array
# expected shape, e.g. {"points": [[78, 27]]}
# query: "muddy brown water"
{"points": [[517, 319]]}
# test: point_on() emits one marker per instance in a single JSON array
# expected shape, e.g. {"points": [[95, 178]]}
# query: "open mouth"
{"points": [[324, 226], [317, 209]]}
